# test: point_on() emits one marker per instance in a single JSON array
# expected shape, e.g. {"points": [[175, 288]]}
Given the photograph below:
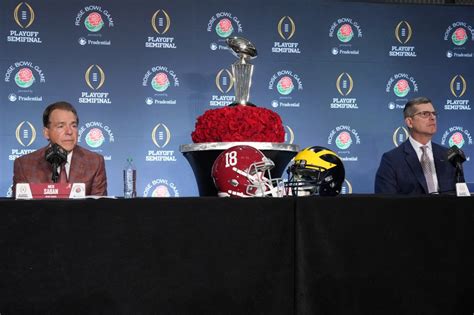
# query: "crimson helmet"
{"points": [[244, 171], [315, 171]]}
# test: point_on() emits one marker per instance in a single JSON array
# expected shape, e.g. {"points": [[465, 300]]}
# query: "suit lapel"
{"points": [[414, 164], [77, 169]]}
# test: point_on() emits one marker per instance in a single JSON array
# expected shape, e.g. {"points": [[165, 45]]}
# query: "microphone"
{"points": [[55, 155], [456, 156]]}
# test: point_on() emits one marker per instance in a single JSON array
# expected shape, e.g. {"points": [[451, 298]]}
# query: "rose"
{"points": [[457, 138], [161, 78], [239, 123], [94, 19], [25, 74], [460, 34], [225, 25], [344, 137], [346, 30], [402, 85], [95, 134]]}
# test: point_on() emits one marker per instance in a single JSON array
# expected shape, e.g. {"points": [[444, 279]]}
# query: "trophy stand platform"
{"points": [[201, 157]]}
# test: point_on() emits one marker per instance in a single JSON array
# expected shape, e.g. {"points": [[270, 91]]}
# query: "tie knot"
{"points": [[424, 148]]}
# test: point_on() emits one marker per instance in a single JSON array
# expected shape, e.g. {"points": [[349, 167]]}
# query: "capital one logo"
{"points": [[25, 131], [161, 135], [458, 85], [403, 32], [161, 22], [224, 81], [286, 27], [24, 15], [344, 84], [95, 77]]}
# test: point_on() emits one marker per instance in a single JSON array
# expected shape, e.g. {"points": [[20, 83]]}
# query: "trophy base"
{"points": [[246, 104], [201, 157]]}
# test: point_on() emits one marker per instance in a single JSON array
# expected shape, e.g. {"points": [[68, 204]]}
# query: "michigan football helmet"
{"points": [[244, 171], [315, 171]]}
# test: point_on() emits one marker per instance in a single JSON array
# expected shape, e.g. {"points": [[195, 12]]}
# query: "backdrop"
{"points": [[141, 73]]}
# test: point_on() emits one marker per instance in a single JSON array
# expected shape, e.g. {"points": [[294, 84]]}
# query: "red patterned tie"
{"points": [[63, 174]]}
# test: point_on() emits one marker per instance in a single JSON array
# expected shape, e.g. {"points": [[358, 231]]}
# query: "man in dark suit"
{"points": [[60, 122], [417, 166]]}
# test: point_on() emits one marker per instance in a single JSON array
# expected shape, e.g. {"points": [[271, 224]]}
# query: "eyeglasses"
{"points": [[426, 114]]}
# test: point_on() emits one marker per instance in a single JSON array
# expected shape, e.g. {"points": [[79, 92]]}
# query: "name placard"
{"points": [[50, 191]]}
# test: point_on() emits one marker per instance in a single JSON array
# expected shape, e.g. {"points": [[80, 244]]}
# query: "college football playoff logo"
{"points": [[24, 15], [224, 81], [161, 22], [458, 86], [286, 27], [161, 135], [24, 133], [403, 32], [95, 77], [344, 84]]}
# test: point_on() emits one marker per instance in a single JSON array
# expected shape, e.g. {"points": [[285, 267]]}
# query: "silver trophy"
{"points": [[242, 69]]}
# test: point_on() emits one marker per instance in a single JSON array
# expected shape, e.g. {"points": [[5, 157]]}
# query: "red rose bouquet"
{"points": [[239, 123]]}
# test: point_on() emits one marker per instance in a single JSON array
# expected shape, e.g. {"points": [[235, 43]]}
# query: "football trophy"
{"points": [[242, 69]]}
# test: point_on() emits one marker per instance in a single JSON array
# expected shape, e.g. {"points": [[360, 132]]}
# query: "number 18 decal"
{"points": [[231, 158]]}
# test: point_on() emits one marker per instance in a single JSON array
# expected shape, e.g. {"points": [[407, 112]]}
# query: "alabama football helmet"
{"points": [[315, 171], [244, 171]]}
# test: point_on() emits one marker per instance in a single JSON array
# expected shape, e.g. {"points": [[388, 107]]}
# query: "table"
{"points": [[359, 254]]}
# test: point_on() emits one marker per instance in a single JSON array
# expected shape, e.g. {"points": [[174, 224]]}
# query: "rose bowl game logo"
{"points": [[344, 137], [160, 187], [345, 30], [96, 135], [95, 21], [223, 24], [161, 80], [459, 34], [401, 85], [26, 75], [456, 135], [286, 83]]}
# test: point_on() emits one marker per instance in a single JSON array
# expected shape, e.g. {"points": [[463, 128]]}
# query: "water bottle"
{"points": [[129, 180]]}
